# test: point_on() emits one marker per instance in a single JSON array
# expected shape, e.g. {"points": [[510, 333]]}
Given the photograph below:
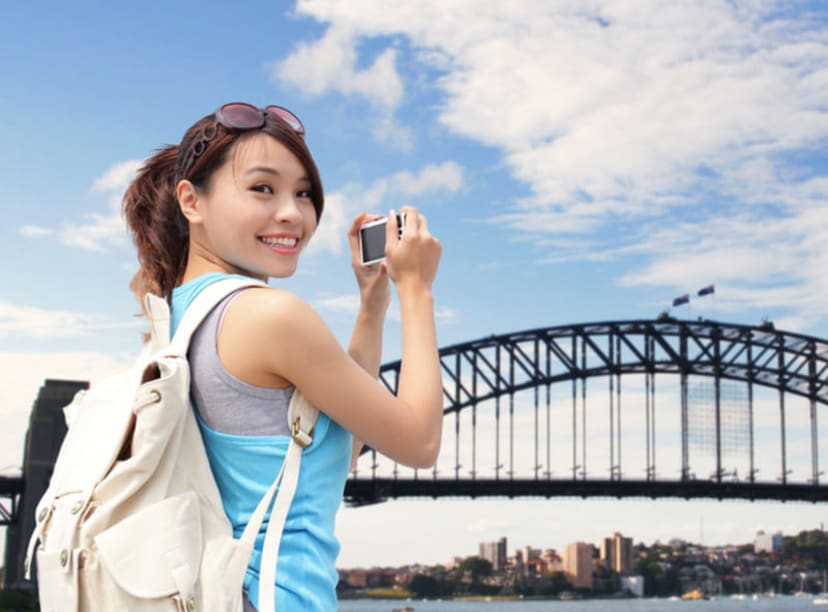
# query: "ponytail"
{"points": [[159, 230]]}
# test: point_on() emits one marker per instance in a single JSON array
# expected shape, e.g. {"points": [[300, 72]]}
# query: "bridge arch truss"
{"points": [[495, 368]]}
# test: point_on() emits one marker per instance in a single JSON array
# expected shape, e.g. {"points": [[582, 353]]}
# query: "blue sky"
{"points": [[580, 161]]}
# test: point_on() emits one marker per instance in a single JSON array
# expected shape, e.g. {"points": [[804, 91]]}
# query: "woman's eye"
{"points": [[305, 193], [262, 188]]}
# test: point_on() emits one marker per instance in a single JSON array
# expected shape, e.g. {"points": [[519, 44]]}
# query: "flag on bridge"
{"points": [[707, 290], [682, 299]]}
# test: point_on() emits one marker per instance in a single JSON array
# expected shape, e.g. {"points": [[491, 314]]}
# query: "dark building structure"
{"points": [[47, 428]]}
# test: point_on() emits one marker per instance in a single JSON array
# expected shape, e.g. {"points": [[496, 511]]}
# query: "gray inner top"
{"points": [[225, 403]]}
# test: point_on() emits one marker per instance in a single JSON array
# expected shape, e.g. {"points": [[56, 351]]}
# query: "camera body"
{"points": [[372, 239]]}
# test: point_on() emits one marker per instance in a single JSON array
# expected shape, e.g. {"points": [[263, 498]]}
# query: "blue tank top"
{"points": [[245, 466]]}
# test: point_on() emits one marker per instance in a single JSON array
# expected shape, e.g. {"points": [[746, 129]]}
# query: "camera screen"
{"points": [[373, 242]]}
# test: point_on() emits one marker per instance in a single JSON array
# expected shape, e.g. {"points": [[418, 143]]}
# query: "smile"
{"points": [[286, 242]]}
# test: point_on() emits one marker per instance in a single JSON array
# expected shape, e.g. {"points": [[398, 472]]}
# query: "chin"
{"points": [[282, 273]]}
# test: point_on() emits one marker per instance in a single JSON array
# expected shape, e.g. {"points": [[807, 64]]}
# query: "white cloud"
{"points": [[348, 304], [34, 231], [390, 131], [96, 234], [755, 261], [33, 322], [331, 234], [379, 196], [444, 314], [629, 118], [330, 64], [117, 177], [99, 230], [433, 177]]}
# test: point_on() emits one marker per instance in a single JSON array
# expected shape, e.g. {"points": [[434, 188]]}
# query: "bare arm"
{"points": [[374, 296], [420, 382], [366, 350]]}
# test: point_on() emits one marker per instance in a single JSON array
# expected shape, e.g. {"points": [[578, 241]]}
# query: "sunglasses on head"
{"points": [[241, 116]]}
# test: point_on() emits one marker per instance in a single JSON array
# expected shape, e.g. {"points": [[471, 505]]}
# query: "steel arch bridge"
{"points": [[480, 375]]}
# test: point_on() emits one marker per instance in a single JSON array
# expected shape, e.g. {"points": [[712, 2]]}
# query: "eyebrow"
{"points": [[274, 172]]}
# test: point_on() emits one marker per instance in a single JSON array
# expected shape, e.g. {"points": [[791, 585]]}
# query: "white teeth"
{"points": [[282, 241]]}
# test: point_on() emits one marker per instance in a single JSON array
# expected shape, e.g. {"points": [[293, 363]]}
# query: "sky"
{"points": [[582, 160]]}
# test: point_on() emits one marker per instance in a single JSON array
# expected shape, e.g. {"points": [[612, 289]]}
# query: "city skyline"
{"points": [[498, 552], [578, 161], [767, 567]]}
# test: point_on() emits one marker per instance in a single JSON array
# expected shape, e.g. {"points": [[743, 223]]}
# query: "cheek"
{"points": [[310, 221]]}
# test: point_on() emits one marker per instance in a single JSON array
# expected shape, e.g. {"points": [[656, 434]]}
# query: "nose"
{"points": [[287, 210]]}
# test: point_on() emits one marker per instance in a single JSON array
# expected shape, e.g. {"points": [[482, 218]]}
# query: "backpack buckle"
{"points": [[302, 438]]}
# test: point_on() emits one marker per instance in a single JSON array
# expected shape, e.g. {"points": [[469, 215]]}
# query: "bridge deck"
{"points": [[361, 491]]}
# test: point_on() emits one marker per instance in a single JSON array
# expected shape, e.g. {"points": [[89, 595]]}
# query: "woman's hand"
{"points": [[413, 259], [374, 289]]}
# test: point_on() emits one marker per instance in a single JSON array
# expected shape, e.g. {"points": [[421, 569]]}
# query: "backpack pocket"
{"points": [[57, 581], [153, 554]]}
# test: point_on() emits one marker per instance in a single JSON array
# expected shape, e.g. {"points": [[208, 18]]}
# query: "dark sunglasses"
{"points": [[240, 116]]}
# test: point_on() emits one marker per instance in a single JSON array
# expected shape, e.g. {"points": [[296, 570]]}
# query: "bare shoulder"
{"points": [[264, 303], [265, 311], [273, 329]]}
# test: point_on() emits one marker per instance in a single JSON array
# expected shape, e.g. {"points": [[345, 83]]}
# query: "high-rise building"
{"points": [[606, 553], [617, 553], [494, 553], [578, 564], [768, 542], [622, 554], [554, 562]]}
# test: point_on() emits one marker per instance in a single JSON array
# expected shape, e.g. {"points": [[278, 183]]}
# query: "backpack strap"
{"points": [[302, 417], [158, 313], [200, 307]]}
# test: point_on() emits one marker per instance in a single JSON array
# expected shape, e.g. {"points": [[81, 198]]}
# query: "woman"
{"points": [[241, 195]]}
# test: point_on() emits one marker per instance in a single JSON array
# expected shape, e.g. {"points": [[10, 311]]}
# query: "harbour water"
{"points": [[724, 604]]}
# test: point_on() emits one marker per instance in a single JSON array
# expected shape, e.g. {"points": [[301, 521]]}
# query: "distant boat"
{"points": [[694, 594], [405, 609], [822, 600]]}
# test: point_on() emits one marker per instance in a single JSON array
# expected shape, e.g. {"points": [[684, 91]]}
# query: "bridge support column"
{"points": [[717, 382], [685, 442], [812, 375], [781, 357]]}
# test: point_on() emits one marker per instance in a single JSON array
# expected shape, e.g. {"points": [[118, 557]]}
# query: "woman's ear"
{"points": [[188, 201]]}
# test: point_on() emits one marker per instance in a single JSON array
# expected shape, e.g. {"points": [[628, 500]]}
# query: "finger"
{"points": [[360, 220], [353, 235], [353, 240], [391, 231], [411, 218]]}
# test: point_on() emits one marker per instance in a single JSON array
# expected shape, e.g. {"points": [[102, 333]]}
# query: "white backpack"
{"points": [[132, 519]]}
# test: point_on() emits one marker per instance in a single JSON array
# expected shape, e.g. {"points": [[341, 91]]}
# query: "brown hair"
{"points": [[159, 229]]}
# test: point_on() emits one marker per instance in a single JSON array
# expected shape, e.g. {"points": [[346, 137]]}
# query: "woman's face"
{"points": [[256, 214]]}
